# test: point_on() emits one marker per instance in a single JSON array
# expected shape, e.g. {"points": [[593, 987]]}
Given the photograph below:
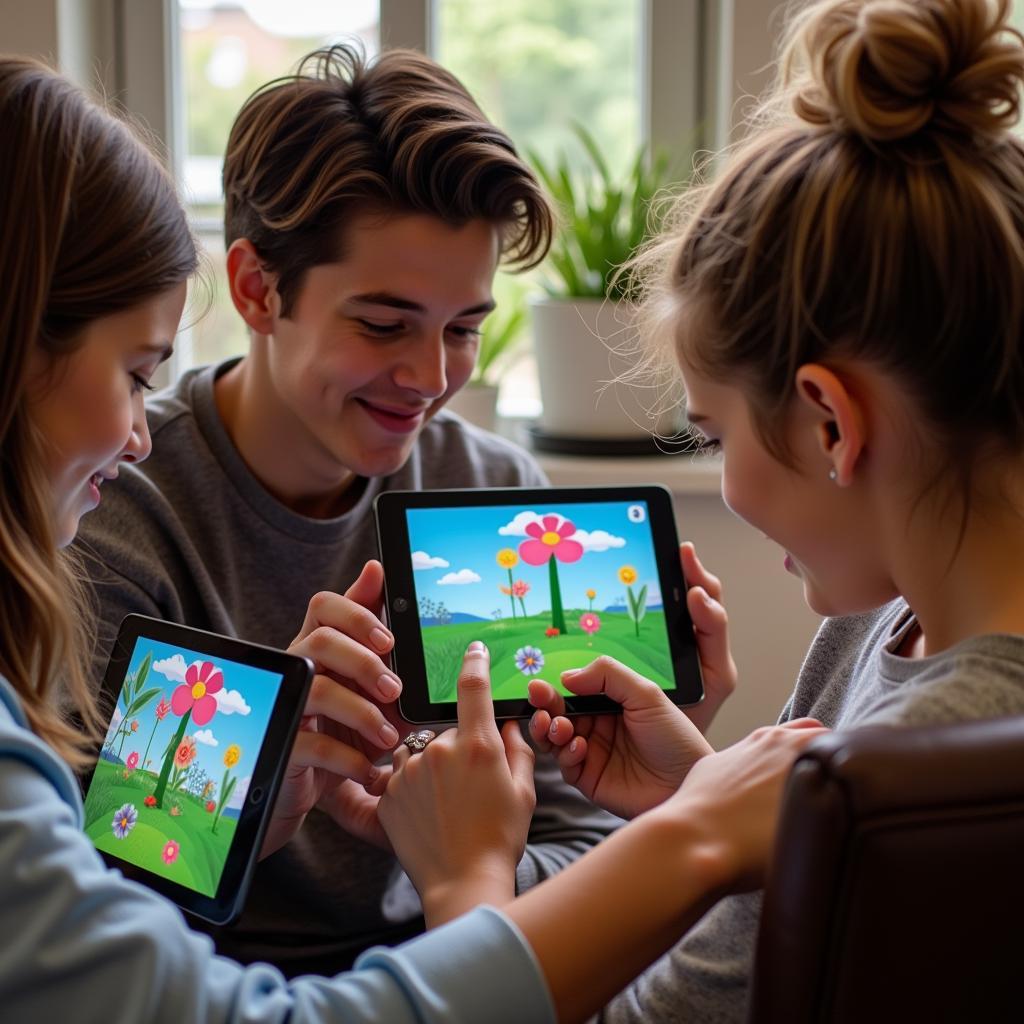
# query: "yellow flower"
{"points": [[591, 594], [231, 755], [507, 558], [627, 574]]}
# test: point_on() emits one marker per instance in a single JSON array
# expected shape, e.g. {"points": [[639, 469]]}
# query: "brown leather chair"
{"points": [[897, 888]]}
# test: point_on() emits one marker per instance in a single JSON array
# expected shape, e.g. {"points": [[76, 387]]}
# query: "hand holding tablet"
{"points": [[192, 760], [548, 578]]}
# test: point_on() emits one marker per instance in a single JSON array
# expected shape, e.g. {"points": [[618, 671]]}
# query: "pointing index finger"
{"points": [[475, 709]]}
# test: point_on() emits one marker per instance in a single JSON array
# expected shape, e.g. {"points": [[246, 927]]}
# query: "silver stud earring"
{"points": [[832, 474]]}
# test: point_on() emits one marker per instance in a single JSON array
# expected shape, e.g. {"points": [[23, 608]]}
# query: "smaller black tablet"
{"points": [[548, 578], [192, 760]]}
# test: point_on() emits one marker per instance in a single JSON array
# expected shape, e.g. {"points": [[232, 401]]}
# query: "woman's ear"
{"points": [[837, 418], [253, 289]]}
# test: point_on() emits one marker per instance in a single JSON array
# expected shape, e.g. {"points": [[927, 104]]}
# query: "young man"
{"points": [[366, 209]]}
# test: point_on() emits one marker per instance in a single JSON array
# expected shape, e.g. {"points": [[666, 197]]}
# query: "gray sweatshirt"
{"points": [[190, 535], [850, 677]]}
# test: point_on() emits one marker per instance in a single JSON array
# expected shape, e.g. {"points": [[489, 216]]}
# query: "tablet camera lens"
{"points": [[400, 604], [256, 795]]}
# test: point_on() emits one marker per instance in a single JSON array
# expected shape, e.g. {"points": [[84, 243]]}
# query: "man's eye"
{"points": [[381, 330], [467, 333]]}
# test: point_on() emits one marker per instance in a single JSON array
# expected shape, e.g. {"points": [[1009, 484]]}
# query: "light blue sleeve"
{"points": [[80, 939]]}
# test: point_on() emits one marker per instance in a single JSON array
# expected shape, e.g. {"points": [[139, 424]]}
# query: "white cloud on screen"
{"points": [[459, 578], [421, 560]]}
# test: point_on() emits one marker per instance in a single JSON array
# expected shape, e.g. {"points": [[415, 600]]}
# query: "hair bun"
{"points": [[888, 69]]}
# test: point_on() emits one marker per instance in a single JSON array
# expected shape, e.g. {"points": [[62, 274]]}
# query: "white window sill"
{"points": [[681, 474]]}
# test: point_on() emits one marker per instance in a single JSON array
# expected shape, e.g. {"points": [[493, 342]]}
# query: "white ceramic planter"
{"points": [[584, 347], [477, 403]]}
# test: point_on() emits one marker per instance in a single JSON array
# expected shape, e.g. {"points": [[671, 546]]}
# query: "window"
{"points": [[533, 65], [228, 49], [536, 67]]}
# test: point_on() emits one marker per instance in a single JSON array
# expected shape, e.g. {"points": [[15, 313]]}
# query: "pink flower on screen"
{"points": [[161, 710], [520, 588], [549, 540], [202, 681], [170, 852], [133, 760]]}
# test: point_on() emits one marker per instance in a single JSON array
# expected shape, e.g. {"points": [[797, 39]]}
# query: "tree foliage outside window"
{"points": [[535, 66]]}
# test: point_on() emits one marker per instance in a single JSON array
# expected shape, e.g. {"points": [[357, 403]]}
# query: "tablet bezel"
{"points": [[403, 612], [296, 676]]}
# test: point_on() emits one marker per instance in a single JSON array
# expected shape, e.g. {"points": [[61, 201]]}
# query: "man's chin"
{"points": [[382, 461]]}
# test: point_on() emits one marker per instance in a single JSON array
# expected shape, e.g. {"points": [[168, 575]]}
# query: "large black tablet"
{"points": [[192, 760], [548, 578]]}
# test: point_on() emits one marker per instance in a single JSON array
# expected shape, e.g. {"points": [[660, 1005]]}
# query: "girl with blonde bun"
{"points": [[846, 305]]}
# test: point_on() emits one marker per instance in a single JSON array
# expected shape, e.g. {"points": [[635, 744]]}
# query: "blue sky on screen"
{"points": [[454, 553], [244, 705]]}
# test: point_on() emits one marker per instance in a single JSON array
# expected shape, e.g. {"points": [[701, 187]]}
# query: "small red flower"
{"points": [[552, 631], [150, 801], [211, 806]]}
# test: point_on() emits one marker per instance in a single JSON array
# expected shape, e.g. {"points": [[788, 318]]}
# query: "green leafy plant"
{"points": [[503, 331], [604, 218]]}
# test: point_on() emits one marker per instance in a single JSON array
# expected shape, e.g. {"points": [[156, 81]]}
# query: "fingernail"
{"points": [[554, 728], [571, 672], [388, 686], [477, 647], [374, 773], [388, 734], [573, 746], [381, 638]]}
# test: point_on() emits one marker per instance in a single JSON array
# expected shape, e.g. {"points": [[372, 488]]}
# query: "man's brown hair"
{"points": [[344, 136]]}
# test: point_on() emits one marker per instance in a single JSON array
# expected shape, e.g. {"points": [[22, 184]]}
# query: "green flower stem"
{"points": [[226, 790], [156, 725], [522, 604], [125, 729], [161, 785], [511, 599], [557, 615]]}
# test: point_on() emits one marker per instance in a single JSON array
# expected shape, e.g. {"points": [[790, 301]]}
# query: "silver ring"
{"points": [[417, 741]]}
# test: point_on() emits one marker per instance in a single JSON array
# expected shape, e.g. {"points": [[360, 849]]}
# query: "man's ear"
{"points": [[253, 289], [837, 418]]}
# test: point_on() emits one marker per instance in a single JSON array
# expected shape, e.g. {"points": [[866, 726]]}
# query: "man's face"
{"points": [[377, 343]]}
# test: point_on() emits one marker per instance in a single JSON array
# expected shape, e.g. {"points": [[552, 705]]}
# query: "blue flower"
{"points": [[124, 820], [529, 660]]}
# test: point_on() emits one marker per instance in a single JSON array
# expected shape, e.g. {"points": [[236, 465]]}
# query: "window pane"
{"points": [[228, 48], [535, 67]]}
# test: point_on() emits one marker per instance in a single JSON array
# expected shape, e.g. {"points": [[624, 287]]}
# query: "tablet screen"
{"points": [[546, 587], [177, 761]]}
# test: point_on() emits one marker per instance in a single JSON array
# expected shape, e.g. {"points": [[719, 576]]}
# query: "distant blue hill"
{"points": [[106, 755], [456, 617], [620, 609]]}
